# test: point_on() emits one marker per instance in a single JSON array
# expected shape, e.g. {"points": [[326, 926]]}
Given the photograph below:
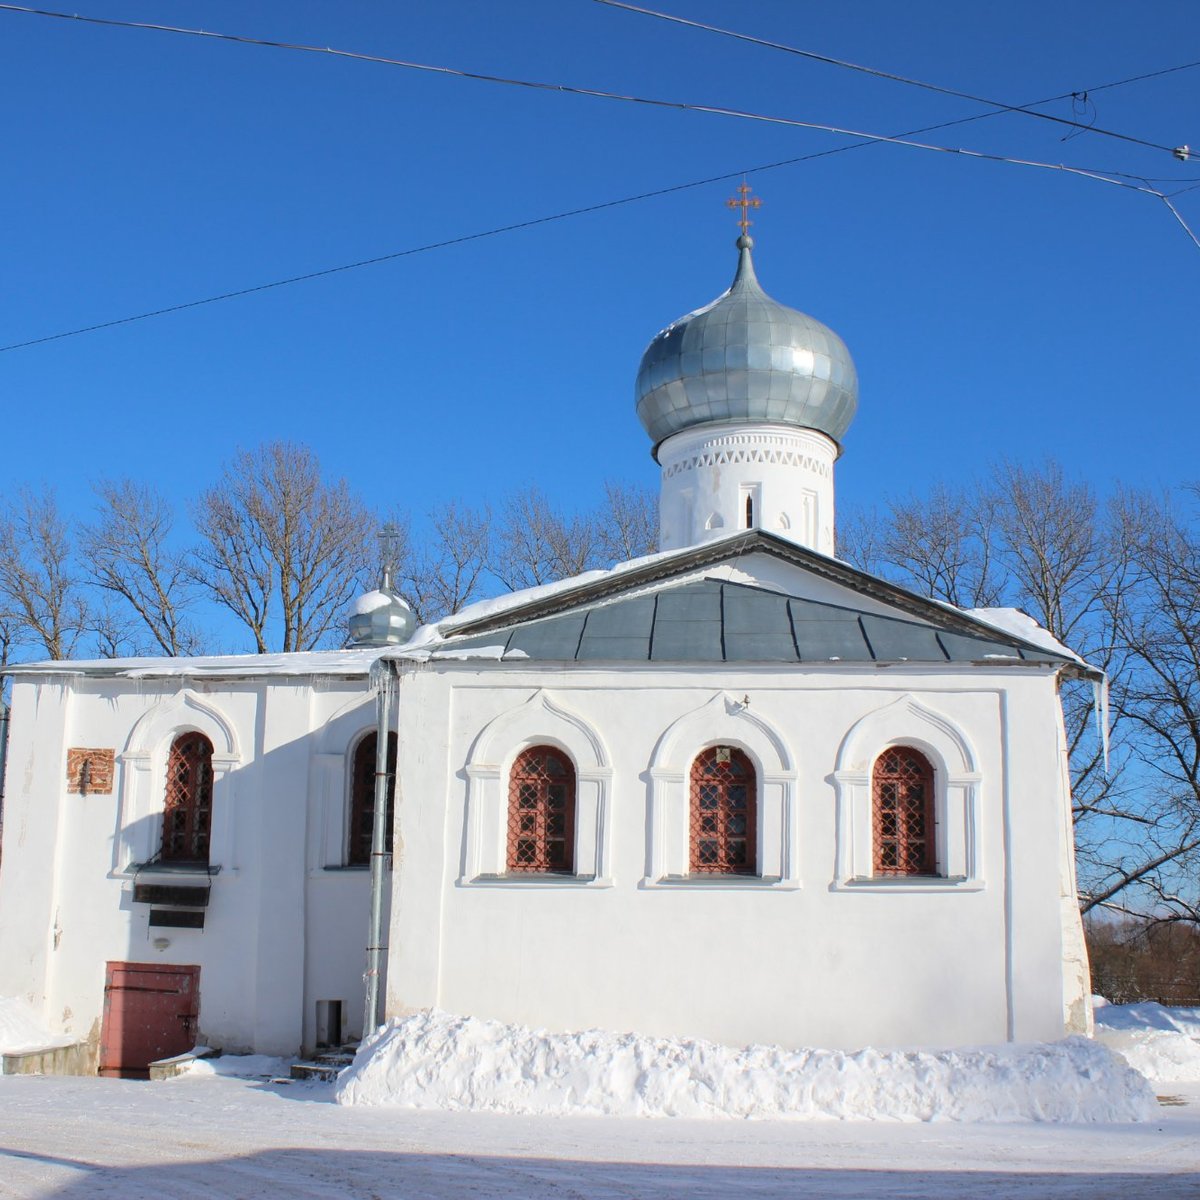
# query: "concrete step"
{"points": [[168, 1068], [333, 1058], [312, 1071], [325, 1064], [74, 1058]]}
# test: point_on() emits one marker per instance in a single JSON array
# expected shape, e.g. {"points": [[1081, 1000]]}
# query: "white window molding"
{"points": [[332, 760], [956, 784], [143, 766], [722, 721], [541, 720]]}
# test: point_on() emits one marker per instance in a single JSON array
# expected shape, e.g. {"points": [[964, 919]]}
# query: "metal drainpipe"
{"points": [[3, 754], [384, 680]]}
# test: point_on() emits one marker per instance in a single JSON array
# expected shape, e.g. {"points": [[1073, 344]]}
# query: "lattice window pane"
{"points": [[902, 813], [723, 802], [362, 798], [187, 806], [541, 812]]}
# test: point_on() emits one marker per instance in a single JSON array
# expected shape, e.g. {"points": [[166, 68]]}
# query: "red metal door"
{"points": [[150, 1012]]}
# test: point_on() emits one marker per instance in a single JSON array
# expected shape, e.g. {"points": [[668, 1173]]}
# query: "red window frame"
{"points": [[362, 799], [187, 807], [723, 822], [541, 812], [903, 833]]}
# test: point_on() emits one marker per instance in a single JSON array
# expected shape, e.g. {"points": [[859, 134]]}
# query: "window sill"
{"points": [[353, 870], [208, 870], [519, 879], [908, 883], [724, 883]]}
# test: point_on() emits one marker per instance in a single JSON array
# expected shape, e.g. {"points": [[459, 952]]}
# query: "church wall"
{"points": [[67, 858], [1037, 806], [807, 960]]}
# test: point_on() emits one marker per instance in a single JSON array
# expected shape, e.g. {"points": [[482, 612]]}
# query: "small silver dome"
{"points": [[380, 618], [746, 357]]}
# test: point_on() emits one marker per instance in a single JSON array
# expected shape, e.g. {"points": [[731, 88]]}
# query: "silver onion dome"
{"points": [[746, 357], [381, 617]]}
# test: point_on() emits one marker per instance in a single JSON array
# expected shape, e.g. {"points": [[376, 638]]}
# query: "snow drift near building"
{"points": [[437, 1060], [21, 1031], [1159, 1042]]}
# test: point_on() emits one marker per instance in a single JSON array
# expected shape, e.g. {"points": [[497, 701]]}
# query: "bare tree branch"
{"points": [[41, 601], [128, 553], [281, 545]]}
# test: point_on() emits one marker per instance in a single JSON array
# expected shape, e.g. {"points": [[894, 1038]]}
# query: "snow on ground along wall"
{"points": [[1159, 1042], [437, 1060], [21, 1031]]}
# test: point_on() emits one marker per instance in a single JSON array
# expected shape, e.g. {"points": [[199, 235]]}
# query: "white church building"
{"points": [[737, 789]]}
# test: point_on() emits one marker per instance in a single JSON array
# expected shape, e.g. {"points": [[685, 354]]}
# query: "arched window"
{"points": [[902, 813], [724, 795], [187, 812], [362, 799], [541, 812]]}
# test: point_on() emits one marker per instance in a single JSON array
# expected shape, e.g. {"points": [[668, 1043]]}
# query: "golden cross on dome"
{"points": [[744, 202]]}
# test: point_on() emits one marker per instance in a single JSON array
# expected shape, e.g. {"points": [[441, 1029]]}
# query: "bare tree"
{"points": [[280, 548], [627, 522], [1028, 538], [450, 570], [1158, 632], [941, 545], [41, 599], [535, 543], [129, 555]]}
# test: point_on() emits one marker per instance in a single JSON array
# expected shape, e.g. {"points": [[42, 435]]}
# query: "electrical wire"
{"points": [[865, 139], [1027, 110], [568, 89], [592, 208]]}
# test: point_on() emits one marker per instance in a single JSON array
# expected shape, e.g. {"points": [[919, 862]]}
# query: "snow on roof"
{"points": [[309, 662], [1020, 624], [370, 602], [430, 640]]}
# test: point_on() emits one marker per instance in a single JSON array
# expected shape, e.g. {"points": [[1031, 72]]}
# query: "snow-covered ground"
{"points": [[221, 1130], [1159, 1042], [205, 1135]]}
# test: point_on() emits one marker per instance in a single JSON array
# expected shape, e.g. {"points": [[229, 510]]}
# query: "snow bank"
{"points": [[242, 1065], [1147, 1015], [21, 1031], [436, 1060], [1159, 1042]]}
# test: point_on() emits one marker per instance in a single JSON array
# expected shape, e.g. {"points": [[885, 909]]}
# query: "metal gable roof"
{"points": [[714, 620]]}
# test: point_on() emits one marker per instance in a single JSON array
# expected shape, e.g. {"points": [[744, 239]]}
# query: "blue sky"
{"points": [[991, 309]]}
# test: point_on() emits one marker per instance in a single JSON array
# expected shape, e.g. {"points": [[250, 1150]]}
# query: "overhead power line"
{"points": [[569, 89], [865, 139], [1027, 110], [869, 139]]}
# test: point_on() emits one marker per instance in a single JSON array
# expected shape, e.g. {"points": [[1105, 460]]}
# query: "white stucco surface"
{"points": [[812, 950], [286, 923]]}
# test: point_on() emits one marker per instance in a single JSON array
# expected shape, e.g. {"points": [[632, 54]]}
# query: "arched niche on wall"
{"points": [[542, 720]]}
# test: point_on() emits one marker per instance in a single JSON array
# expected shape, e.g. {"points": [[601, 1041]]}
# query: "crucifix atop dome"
{"points": [[744, 202]]}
